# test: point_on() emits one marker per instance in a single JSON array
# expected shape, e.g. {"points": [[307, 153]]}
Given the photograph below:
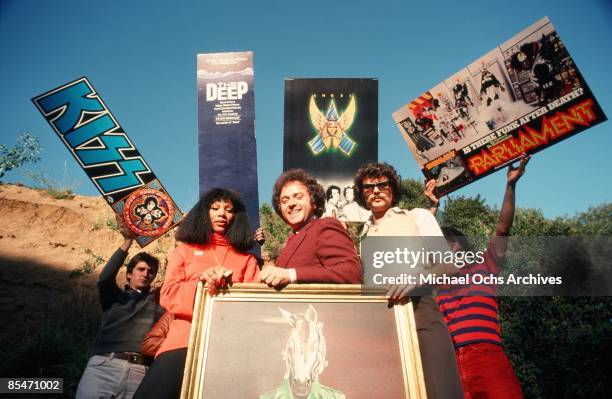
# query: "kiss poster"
{"points": [[110, 159]]}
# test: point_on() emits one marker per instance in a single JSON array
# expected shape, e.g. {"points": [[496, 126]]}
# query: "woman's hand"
{"points": [[216, 278]]}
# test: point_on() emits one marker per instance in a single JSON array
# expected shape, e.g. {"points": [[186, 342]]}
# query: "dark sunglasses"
{"points": [[381, 185]]}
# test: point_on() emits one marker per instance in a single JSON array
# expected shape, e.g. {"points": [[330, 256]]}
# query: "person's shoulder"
{"points": [[419, 212], [155, 290], [325, 227], [397, 213], [427, 223], [187, 248], [421, 215], [329, 222], [244, 255], [154, 293]]}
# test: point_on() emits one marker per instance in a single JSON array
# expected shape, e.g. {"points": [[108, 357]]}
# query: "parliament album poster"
{"points": [[525, 95]]}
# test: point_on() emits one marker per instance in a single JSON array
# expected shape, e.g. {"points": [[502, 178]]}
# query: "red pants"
{"points": [[486, 372]]}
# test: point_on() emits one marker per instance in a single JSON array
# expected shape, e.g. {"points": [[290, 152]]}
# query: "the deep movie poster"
{"points": [[226, 126]]}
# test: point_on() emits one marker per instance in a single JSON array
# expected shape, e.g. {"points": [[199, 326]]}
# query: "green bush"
{"points": [[561, 347], [111, 223], [88, 266], [26, 150], [276, 231]]}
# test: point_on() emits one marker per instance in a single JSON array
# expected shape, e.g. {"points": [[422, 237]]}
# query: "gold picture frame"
{"points": [[237, 338]]}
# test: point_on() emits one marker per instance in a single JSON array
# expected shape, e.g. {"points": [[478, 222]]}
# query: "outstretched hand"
{"points": [[515, 173]]}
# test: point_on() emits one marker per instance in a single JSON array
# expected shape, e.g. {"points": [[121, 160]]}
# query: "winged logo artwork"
{"points": [[331, 128]]}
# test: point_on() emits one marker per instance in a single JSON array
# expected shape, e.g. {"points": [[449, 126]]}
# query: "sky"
{"points": [[141, 58]]}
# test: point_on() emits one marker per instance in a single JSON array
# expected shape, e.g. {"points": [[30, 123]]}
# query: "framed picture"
{"points": [[306, 341]]}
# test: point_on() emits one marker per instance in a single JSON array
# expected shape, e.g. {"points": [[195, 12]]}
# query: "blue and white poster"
{"points": [[226, 126], [97, 141]]}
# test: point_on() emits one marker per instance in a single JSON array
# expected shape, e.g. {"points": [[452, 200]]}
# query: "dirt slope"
{"points": [[47, 247]]}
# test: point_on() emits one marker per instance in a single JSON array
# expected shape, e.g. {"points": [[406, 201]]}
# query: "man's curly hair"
{"points": [[377, 170], [317, 194]]}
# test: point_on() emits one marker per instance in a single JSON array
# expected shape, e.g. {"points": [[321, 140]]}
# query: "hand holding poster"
{"points": [[107, 155], [524, 96]]}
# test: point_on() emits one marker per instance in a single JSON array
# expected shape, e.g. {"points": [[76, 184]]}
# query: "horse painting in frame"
{"points": [[254, 341]]}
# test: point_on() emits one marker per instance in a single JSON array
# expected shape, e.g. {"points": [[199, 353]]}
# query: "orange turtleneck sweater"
{"points": [[185, 266]]}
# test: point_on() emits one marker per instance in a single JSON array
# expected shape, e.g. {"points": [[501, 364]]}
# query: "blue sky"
{"points": [[141, 57]]}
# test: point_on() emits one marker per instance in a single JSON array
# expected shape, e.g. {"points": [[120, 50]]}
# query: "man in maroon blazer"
{"points": [[319, 250]]}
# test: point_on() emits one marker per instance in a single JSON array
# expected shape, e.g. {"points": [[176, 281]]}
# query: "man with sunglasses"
{"points": [[377, 188]]}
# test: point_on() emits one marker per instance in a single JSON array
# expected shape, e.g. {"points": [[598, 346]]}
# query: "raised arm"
{"points": [[107, 284], [506, 214]]}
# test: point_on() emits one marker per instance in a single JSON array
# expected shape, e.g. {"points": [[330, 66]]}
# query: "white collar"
{"points": [[388, 214]]}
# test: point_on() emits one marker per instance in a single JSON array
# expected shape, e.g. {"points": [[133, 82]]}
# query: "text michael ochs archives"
{"points": [[417, 267]]}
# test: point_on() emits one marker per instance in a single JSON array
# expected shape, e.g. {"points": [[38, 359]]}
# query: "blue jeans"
{"points": [[110, 378]]}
